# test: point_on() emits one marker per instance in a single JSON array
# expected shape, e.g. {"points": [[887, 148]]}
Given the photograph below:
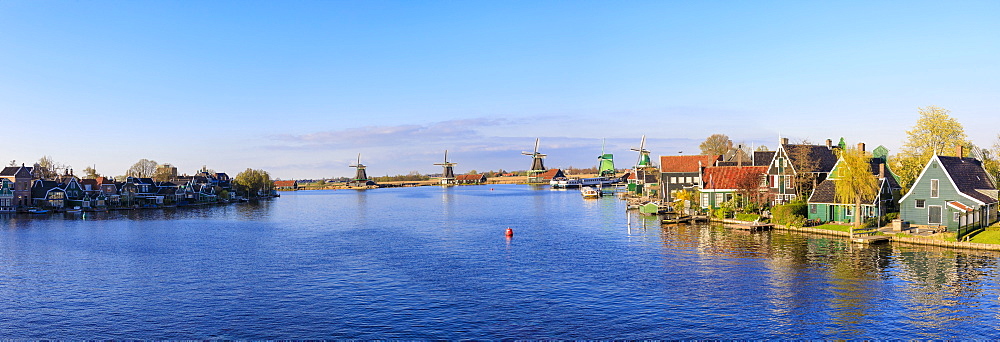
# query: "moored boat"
{"points": [[589, 192]]}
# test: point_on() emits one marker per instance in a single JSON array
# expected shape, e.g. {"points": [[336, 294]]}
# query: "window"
{"points": [[788, 182], [697, 179], [689, 180], [704, 199], [919, 204], [775, 183], [934, 214], [673, 180], [849, 211], [934, 188], [956, 217], [718, 198], [812, 208]]}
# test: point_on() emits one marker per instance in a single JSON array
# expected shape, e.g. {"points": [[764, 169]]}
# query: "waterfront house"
{"points": [[48, 194], [75, 194], [7, 203], [723, 183], [548, 175], [798, 160], [21, 177], [823, 204], [286, 185], [951, 192], [470, 179], [683, 173]]}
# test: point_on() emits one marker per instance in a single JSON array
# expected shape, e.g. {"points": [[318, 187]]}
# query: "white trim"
{"points": [[933, 190], [946, 174], [940, 214]]}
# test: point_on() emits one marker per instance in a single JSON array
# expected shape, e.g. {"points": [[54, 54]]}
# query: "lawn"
{"points": [[837, 227], [987, 236]]}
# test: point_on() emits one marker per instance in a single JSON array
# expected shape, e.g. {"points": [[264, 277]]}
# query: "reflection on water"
{"points": [[433, 262]]}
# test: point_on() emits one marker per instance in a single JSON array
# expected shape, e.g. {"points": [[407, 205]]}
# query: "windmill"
{"points": [[448, 176], [606, 163], [643, 166], [360, 177], [537, 166]]}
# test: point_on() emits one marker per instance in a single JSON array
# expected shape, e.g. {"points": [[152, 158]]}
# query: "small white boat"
{"points": [[37, 211], [73, 210], [589, 192]]}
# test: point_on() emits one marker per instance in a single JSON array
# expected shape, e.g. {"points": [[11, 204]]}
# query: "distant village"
{"points": [[36, 189]]}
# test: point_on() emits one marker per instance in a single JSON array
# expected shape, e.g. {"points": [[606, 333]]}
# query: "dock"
{"points": [[869, 239], [752, 226]]}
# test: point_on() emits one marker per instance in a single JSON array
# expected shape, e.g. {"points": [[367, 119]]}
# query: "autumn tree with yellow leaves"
{"points": [[936, 132]]}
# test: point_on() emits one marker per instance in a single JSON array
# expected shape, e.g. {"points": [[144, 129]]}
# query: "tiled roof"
{"points": [[686, 163], [469, 177], [825, 192], [762, 158], [969, 176], [551, 173], [730, 177], [12, 170], [823, 157]]}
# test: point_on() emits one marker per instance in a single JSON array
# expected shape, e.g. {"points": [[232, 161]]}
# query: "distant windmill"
{"points": [[448, 176], [643, 154], [643, 166], [606, 163], [537, 166], [361, 177]]}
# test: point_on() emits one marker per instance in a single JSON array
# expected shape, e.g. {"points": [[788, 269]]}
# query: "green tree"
{"points": [[254, 183], [855, 181], [934, 133], [144, 168], [715, 144]]}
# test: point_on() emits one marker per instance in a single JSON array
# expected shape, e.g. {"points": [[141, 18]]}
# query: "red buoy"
{"points": [[509, 233]]}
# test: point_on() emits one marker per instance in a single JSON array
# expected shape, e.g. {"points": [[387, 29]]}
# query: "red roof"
{"points": [[469, 177], [730, 177], [551, 173], [284, 183], [686, 163]]}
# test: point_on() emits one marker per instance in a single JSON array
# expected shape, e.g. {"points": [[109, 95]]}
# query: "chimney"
{"points": [[739, 158], [861, 146], [960, 150], [784, 141], [881, 170], [829, 144]]}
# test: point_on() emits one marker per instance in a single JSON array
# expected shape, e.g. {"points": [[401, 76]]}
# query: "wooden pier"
{"points": [[869, 239], [752, 226]]}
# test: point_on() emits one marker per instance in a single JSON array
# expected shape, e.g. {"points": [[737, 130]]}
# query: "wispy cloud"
{"points": [[381, 136]]}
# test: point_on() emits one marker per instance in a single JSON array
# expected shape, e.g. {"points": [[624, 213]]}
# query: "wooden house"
{"points": [[723, 183], [7, 203], [21, 177], [548, 175], [951, 192], [823, 204], [48, 194], [795, 160], [470, 179], [683, 173], [286, 185]]}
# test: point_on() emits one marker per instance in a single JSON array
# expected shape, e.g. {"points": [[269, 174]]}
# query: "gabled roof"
{"points": [[799, 155], [551, 173], [283, 183], [969, 176], [686, 163], [729, 177], [470, 177], [762, 158], [826, 192], [13, 170]]}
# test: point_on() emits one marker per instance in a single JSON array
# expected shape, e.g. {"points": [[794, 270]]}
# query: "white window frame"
{"points": [[935, 188], [916, 204], [930, 209]]}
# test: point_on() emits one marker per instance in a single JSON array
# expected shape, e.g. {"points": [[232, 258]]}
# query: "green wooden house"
{"points": [[951, 192], [7, 203], [823, 204]]}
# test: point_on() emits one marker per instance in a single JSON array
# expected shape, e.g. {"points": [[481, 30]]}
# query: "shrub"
{"points": [[722, 213], [793, 214], [747, 217]]}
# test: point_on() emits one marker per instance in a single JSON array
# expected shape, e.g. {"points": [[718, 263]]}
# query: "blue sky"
{"points": [[299, 88]]}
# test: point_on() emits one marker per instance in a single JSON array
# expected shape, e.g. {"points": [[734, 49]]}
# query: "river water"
{"points": [[433, 262]]}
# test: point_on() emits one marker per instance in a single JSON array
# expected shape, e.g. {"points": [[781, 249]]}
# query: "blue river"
{"points": [[433, 263]]}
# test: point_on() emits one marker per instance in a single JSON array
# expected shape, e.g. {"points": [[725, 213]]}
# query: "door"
{"points": [[934, 214]]}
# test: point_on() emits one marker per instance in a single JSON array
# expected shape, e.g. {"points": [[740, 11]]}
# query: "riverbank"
{"points": [[902, 237]]}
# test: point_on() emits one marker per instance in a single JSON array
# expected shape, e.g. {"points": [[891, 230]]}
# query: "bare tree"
{"points": [[144, 168], [715, 144]]}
